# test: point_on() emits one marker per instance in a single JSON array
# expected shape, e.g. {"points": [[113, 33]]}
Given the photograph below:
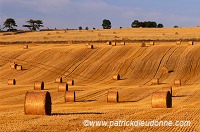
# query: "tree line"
{"points": [[34, 25]]}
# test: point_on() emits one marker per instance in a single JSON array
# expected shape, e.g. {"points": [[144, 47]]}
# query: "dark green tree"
{"points": [[135, 24], [80, 28], [34, 24], [9, 24], [160, 25], [86, 28], [106, 24]]}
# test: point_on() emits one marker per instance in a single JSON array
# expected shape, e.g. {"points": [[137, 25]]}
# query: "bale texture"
{"points": [[113, 96], [151, 42], [39, 85], [178, 42], [155, 81], [70, 96], [87, 44], [90, 47], [19, 68], [25, 47], [145, 45], [177, 82], [164, 70], [11, 81], [114, 43], [62, 87], [37, 103], [166, 89], [123, 43], [161, 100], [191, 43], [13, 65], [70, 82], [59, 80], [116, 77]]}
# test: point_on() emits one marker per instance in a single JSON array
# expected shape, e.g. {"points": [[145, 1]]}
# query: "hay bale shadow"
{"points": [[86, 101], [78, 113], [128, 101], [179, 96]]}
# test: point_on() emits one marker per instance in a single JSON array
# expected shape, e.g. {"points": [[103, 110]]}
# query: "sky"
{"points": [[62, 14]]}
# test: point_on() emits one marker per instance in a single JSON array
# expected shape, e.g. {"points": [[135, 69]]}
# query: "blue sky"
{"points": [[75, 13]]}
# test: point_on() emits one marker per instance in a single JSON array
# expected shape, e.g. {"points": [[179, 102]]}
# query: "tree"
{"points": [[80, 28], [86, 28], [135, 24], [106, 24], [160, 25], [34, 24], [145, 24], [9, 24]]}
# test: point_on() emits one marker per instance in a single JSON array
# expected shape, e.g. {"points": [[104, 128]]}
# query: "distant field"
{"points": [[142, 34], [92, 71]]}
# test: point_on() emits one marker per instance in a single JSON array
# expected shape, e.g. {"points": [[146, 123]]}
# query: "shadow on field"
{"points": [[85, 100], [128, 101], [178, 96], [78, 113]]}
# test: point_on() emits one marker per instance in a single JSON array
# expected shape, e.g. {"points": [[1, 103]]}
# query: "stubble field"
{"points": [[92, 71]]}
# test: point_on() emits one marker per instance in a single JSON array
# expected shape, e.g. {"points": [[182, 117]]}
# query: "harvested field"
{"points": [[92, 71]]}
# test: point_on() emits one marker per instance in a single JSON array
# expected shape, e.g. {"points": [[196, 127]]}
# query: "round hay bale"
{"points": [[114, 43], [177, 82], [37, 103], [90, 47], [109, 42], [123, 43], [13, 65], [19, 68], [70, 96], [161, 100], [70, 82], [155, 81], [39, 85], [191, 43], [164, 70], [11, 81], [59, 80], [178, 42], [62, 87], [152, 43], [113, 96], [116, 77], [166, 89], [87, 44], [25, 47], [143, 45]]}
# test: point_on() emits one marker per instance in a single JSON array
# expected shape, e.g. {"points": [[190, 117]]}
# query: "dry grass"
{"points": [[92, 70]]}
